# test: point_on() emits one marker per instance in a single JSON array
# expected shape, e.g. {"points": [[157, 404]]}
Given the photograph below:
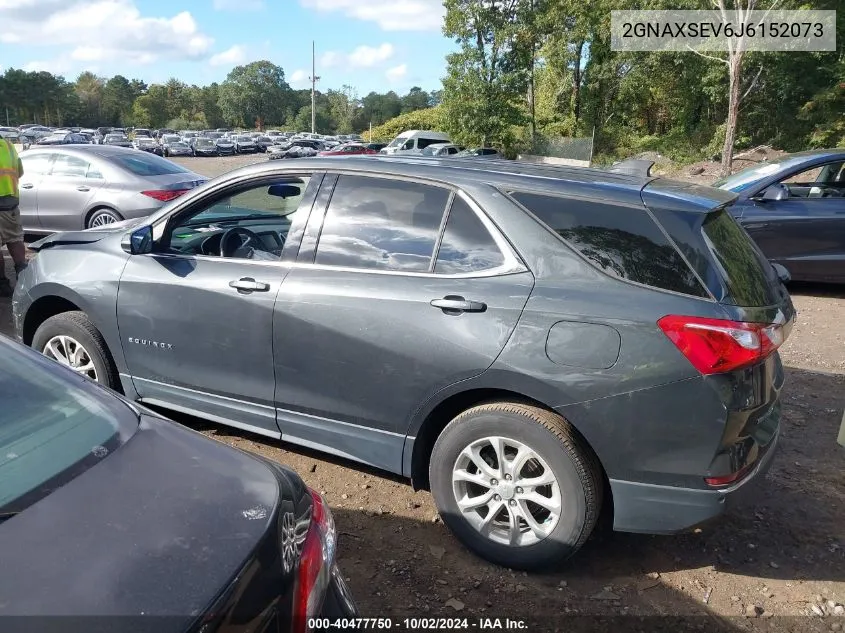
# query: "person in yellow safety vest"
{"points": [[11, 231]]}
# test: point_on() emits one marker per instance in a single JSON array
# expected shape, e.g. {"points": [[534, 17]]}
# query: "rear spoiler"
{"points": [[633, 167]]}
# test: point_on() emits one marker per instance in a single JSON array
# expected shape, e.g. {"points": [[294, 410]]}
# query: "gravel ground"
{"points": [[778, 564]]}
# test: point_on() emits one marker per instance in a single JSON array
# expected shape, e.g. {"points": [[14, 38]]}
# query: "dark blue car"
{"points": [[794, 208]]}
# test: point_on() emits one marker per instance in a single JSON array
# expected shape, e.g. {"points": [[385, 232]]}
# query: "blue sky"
{"points": [[369, 44]]}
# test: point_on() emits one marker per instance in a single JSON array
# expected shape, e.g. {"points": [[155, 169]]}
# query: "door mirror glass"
{"points": [[139, 241], [775, 192]]}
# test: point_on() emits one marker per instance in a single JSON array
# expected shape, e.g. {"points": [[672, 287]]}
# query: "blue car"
{"points": [[794, 208]]}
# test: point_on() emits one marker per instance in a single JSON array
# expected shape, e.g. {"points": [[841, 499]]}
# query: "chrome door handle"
{"points": [[83, 188], [248, 284], [27, 185]]}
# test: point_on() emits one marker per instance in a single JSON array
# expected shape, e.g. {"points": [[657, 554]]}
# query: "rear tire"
{"points": [[103, 217], [545, 493], [73, 334]]}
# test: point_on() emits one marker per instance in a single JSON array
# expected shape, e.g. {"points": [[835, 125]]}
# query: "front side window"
{"points": [[36, 164], [624, 243], [250, 223], [381, 224], [70, 166], [823, 181]]}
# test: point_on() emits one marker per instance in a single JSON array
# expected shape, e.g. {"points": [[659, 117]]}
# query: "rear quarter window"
{"points": [[623, 242], [724, 255]]}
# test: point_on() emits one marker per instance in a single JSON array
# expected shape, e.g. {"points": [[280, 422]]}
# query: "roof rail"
{"points": [[633, 166]]}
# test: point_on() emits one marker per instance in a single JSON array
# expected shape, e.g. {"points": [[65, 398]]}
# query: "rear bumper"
{"points": [[654, 509]]}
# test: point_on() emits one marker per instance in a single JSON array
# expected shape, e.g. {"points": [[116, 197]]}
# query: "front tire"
{"points": [[72, 340], [516, 484]]}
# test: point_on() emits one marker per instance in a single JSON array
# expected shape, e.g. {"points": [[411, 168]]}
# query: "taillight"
{"points": [[165, 195], [727, 480], [315, 565], [715, 346]]}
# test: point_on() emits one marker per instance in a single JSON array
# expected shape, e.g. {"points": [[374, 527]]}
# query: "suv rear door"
{"points": [[390, 301]]}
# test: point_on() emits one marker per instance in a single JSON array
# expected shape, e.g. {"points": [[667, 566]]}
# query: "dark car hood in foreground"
{"points": [[159, 527]]}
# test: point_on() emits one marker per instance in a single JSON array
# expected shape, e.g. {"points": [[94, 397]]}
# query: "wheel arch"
{"points": [[433, 418], [53, 301]]}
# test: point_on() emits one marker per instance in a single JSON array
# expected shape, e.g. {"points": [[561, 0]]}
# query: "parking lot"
{"points": [[785, 556]]}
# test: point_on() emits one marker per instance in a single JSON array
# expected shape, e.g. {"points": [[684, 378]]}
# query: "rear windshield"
{"points": [[623, 242], [723, 255], [146, 164], [54, 425]]}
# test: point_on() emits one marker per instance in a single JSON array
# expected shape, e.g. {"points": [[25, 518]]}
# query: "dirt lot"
{"points": [[779, 565]]}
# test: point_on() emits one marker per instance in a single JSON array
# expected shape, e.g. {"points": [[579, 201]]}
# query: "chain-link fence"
{"points": [[561, 150]]}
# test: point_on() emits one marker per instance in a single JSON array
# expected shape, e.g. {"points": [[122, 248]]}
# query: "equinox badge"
{"points": [[149, 343]]}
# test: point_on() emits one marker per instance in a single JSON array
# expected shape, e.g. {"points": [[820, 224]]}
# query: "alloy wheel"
{"points": [[506, 491], [102, 219], [70, 352]]}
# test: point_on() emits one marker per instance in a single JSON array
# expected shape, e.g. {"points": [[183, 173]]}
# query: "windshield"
{"points": [[54, 425], [398, 141], [178, 146], [146, 164], [202, 142], [244, 138], [746, 178], [169, 138]]}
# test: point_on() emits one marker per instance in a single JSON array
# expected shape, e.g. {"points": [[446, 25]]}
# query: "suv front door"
{"points": [[196, 314], [380, 312]]}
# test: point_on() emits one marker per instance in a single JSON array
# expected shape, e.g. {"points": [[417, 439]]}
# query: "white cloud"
{"points": [[232, 57], [361, 57], [54, 66], [397, 72], [298, 78], [365, 56], [329, 59], [238, 5], [390, 15], [103, 30]]}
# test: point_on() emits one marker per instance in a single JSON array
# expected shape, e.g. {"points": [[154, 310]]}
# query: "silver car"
{"points": [[83, 186]]}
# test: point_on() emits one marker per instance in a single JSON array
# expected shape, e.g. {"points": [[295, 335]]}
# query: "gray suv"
{"points": [[533, 344]]}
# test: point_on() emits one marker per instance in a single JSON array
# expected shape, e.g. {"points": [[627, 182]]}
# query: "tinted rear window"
{"points": [[145, 164], [723, 254], [623, 242]]}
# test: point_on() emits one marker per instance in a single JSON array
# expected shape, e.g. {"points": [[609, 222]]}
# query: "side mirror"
{"points": [[775, 192], [139, 241], [783, 273]]}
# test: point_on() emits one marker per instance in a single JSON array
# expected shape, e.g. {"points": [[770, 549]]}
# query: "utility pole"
{"points": [[314, 79], [7, 116], [371, 131]]}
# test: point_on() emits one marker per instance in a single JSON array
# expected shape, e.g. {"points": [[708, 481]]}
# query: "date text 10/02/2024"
{"points": [[414, 624]]}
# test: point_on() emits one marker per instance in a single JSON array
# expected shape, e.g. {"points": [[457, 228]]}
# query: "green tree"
{"points": [[488, 77], [117, 101], [255, 93]]}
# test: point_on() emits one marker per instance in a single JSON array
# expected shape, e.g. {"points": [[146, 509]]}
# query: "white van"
{"points": [[414, 142]]}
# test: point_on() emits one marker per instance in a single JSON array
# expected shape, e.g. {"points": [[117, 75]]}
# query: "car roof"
{"points": [[560, 180], [103, 151]]}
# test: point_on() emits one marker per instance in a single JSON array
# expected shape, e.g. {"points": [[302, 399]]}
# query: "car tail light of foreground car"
{"points": [[315, 566], [716, 346]]}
